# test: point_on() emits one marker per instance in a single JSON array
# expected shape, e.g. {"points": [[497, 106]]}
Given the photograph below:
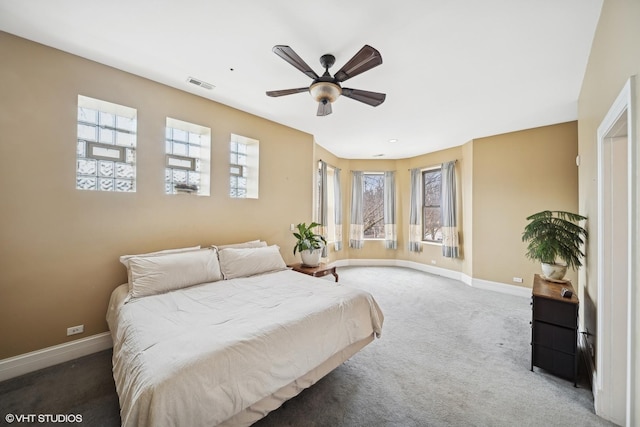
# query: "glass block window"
{"points": [[106, 146], [238, 169], [188, 154], [243, 167]]}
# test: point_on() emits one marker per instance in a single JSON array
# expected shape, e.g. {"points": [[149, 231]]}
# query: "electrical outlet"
{"points": [[75, 330], [517, 279], [292, 227], [433, 261]]}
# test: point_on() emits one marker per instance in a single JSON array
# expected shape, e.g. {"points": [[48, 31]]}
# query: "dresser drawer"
{"points": [[555, 337], [556, 362], [556, 312]]}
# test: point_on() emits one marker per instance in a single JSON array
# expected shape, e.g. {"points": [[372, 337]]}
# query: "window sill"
{"points": [[426, 242]]}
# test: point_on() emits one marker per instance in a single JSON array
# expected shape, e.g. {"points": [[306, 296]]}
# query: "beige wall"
{"points": [[60, 246], [515, 175], [613, 60]]}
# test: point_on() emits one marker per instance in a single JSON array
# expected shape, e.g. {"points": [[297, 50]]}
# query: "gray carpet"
{"points": [[83, 386], [449, 355]]}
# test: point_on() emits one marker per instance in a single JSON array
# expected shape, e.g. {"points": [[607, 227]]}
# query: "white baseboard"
{"points": [[29, 362], [399, 263], [438, 271], [504, 288]]}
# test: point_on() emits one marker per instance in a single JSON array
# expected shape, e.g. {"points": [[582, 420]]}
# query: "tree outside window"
{"points": [[373, 206], [431, 214]]}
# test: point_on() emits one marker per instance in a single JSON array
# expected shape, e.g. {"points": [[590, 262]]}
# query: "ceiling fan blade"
{"points": [[324, 108], [287, 91], [286, 53], [364, 60], [371, 98]]}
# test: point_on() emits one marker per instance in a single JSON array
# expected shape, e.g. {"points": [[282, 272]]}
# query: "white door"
{"points": [[613, 337]]}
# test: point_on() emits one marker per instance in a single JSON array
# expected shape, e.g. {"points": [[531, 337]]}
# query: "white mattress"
{"points": [[201, 355]]}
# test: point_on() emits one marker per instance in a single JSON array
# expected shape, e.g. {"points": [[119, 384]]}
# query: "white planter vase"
{"points": [[554, 271], [311, 258]]}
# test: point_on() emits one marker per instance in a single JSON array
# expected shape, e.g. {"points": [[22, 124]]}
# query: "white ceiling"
{"points": [[453, 70]]}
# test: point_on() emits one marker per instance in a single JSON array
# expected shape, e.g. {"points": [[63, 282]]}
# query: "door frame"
{"points": [[623, 105]]}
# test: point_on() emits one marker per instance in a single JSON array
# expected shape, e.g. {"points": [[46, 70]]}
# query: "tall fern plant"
{"points": [[555, 235]]}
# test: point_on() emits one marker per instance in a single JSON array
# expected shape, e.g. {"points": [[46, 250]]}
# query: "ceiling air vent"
{"points": [[200, 83]]}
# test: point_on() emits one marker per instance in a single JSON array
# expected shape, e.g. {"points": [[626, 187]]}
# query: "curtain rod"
{"points": [[329, 164], [432, 167]]}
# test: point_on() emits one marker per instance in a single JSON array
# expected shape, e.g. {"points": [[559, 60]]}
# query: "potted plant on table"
{"points": [[555, 240], [309, 244]]}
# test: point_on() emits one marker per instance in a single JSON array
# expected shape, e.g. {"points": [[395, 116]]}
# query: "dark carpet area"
{"points": [[82, 386]]}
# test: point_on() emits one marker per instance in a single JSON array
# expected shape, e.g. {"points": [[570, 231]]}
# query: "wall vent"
{"points": [[200, 83]]}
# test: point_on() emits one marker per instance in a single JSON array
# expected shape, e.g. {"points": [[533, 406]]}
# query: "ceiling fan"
{"points": [[326, 89]]}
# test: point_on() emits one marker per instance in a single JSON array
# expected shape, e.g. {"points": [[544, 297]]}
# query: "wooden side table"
{"points": [[321, 270]]}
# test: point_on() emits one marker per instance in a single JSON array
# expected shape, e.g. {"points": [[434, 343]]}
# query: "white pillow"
{"points": [[243, 262], [124, 259], [251, 244], [158, 274]]}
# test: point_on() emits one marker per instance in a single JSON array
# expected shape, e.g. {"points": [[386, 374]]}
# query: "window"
{"points": [[243, 167], [431, 213], [373, 205], [331, 216], [188, 153], [106, 146]]}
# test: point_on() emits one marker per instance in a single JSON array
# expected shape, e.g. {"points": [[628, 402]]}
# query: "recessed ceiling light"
{"points": [[378, 155], [393, 141]]}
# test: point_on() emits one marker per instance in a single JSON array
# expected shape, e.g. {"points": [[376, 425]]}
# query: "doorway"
{"points": [[616, 291]]}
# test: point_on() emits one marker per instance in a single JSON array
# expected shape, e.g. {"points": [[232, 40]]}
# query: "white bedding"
{"points": [[198, 356]]}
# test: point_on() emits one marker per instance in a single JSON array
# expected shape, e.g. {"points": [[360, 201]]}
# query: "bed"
{"points": [[232, 347]]}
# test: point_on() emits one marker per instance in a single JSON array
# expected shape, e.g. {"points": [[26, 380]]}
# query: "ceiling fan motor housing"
{"points": [[327, 61]]}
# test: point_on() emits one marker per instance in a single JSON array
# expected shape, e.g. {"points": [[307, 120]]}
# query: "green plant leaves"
{"points": [[555, 235], [307, 239]]}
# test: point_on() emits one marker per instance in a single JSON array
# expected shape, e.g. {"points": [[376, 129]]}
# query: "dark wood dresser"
{"points": [[554, 329]]}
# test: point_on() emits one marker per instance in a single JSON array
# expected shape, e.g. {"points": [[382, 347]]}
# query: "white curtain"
{"points": [[324, 205], [337, 206], [390, 227], [356, 229], [415, 211], [450, 244]]}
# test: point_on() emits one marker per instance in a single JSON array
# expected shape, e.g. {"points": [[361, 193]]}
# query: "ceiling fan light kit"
{"points": [[326, 89]]}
